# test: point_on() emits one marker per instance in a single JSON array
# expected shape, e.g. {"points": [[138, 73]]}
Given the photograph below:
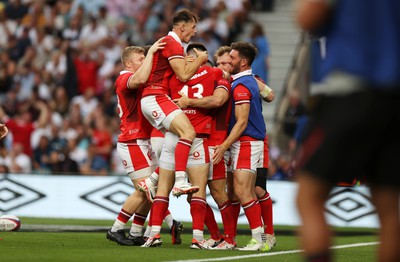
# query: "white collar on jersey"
{"points": [[176, 37], [243, 73], [124, 72]]}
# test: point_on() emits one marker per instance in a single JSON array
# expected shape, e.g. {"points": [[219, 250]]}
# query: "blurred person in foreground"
{"points": [[355, 122]]}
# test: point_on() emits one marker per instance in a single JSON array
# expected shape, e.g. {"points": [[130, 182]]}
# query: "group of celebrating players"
{"points": [[183, 120]]}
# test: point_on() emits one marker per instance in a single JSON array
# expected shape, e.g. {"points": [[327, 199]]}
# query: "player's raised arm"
{"points": [[184, 71], [141, 76]]}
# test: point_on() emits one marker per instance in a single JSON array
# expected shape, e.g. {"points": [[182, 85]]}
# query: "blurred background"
{"points": [[59, 60]]}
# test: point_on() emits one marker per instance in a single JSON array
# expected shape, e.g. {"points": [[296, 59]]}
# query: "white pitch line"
{"points": [[271, 253]]}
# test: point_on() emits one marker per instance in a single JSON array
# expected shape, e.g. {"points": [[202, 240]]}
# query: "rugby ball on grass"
{"points": [[9, 223]]}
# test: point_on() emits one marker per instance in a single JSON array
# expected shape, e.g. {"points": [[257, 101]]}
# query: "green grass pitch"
{"points": [[34, 245]]}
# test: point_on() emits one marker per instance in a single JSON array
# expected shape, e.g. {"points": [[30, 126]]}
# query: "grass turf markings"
{"points": [[271, 253]]}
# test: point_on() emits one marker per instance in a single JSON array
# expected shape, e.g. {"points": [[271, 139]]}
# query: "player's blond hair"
{"points": [[221, 51], [125, 54]]}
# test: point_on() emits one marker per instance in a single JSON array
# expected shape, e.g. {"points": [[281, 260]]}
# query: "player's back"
{"points": [[202, 84]]}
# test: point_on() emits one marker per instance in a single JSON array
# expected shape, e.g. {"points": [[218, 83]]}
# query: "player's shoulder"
{"points": [[169, 40], [215, 71], [123, 76], [225, 82], [122, 79]]}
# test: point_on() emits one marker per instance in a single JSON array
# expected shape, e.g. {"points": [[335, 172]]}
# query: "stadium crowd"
{"points": [[59, 62]]}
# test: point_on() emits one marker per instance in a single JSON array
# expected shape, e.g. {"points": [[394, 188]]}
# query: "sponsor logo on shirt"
{"points": [[190, 111], [199, 74]]}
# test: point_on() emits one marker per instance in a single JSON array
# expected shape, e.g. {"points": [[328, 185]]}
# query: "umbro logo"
{"points": [[110, 197], [349, 204], [14, 195]]}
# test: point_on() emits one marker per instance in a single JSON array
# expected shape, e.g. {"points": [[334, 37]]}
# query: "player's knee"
{"points": [[217, 195], [182, 127], [231, 192], [188, 133], [259, 191], [241, 192]]}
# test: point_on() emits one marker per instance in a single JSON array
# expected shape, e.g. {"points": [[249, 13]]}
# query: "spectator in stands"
{"points": [[280, 168], [87, 64], [210, 41], [110, 50], [78, 151], [35, 18], [10, 104], [15, 10], [60, 101], [18, 45], [121, 33], [93, 33], [72, 32], [59, 159], [7, 28], [7, 71], [86, 103], [4, 154], [89, 7], [216, 25], [260, 41], [22, 125], [101, 138], [19, 161], [108, 103], [295, 109], [125, 9], [41, 155], [56, 66]]}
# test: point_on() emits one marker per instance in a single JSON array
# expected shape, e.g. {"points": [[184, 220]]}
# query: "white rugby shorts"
{"points": [[137, 158], [198, 154], [159, 111], [156, 145], [246, 154]]}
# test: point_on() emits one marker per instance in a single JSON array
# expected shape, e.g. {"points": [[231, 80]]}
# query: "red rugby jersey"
{"points": [[202, 84], [220, 120], [162, 71], [133, 124]]}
